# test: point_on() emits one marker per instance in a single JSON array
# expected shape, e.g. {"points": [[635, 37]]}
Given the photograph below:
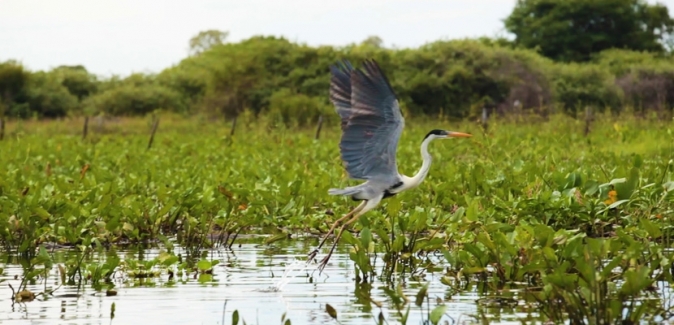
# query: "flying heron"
{"points": [[371, 126]]}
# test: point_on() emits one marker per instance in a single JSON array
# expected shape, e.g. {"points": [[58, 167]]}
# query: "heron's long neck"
{"points": [[419, 177]]}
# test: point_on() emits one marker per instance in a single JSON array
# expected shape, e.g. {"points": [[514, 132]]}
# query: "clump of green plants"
{"points": [[581, 221]]}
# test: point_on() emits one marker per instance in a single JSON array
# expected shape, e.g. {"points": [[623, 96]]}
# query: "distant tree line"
{"points": [[567, 55]]}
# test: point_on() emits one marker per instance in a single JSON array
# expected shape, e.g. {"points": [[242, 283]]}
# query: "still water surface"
{"points": [[243, 280]]}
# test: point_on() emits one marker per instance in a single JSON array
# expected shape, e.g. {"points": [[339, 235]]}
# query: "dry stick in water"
{"points": [[231, 132], [154, 129], [320, 125], [86, 127]]}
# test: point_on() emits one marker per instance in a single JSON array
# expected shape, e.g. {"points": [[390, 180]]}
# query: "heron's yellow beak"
{"points": [[459, 135]]}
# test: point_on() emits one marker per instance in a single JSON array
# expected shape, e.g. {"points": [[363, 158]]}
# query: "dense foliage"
{"points": [[574, 30], [268, 75], [582, 224]]}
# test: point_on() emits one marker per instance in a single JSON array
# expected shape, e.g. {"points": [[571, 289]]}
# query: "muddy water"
{"points": [[242, 282]]}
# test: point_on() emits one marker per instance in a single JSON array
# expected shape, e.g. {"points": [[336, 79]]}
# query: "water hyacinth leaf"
{"points": [[205, 278], [437, 313], [204, 265], [365, 237], [383, 236], [235, 317], [625, 189], [41, 212], [471, 213], [350, 239], [653, 230], [636, 280], [275, 238], [591, 188], [446, 281], [167, 259], [421, 295], [616, 204], [331, 311]]}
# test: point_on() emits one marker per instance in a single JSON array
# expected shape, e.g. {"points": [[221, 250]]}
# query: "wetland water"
{"points": [[243, 279]]}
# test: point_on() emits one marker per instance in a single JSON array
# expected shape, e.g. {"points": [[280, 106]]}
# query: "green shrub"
{"points": [[79, 82], [135, 100], [289, 109], [13, 80], [646, 79], [586, 85], [47, 97]]}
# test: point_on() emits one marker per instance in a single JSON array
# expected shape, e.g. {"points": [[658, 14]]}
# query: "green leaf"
{"points": [[365, 237], [275, 238], [617, 204], [471, 213], [331, 311], [652, 229], [235, 317], [205, 278], [636, 281], [421, 295], [42, 213], [437, 313], [204, 265]]}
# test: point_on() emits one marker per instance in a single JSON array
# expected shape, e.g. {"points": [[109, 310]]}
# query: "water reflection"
{"points": [[242, 280]]}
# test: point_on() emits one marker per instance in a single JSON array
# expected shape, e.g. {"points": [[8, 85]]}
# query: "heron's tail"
{"points": [[344, 191]]}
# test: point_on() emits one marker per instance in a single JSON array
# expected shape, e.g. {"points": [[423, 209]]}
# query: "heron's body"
{"points": [[371, 124]]}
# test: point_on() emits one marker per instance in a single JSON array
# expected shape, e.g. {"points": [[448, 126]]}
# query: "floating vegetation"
{"points": [[529, 214]]}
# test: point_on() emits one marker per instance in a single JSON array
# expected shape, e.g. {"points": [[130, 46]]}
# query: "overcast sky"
{"points": [[124, 36]]}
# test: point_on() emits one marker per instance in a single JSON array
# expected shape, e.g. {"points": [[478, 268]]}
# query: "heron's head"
{"points": [[444, 134]]}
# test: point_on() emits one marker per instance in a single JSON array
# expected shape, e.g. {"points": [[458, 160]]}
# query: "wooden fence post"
{"points": [[318, 128], [86, 127], [2, 128], [154, 130], [485, 118], [588, 120], [231, 132]]}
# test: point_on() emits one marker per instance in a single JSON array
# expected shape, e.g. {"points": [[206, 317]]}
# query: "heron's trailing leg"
{"points": [[371, 204], [334, 225]]}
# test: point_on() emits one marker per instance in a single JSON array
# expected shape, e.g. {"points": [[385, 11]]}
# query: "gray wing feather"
{"points": [[371, 124], [340, 89]]}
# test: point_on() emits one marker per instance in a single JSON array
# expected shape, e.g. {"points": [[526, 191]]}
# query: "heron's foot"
{"points": [[324, 262], [312, 255]]}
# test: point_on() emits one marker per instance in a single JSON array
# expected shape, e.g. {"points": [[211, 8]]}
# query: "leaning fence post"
{"points": [[86, 127], [154, 129], [320, 125]]}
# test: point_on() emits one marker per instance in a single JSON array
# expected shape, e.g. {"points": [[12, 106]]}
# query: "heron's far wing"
{"points": [[340, 89], [373, 128]]}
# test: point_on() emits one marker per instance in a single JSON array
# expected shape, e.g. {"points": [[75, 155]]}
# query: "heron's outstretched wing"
{"points": [[340, 89], [371, 124]]}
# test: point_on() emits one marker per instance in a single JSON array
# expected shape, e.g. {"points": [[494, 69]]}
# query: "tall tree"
{"points": [[13, 80], [572, 30], [77, 80], [207, 39]]}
